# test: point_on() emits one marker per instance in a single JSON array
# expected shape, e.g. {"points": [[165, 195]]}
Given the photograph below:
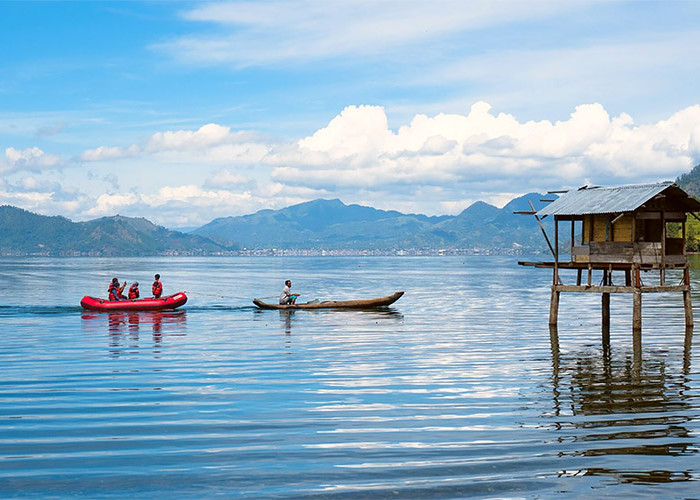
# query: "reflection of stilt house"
{"points": [[628, 229]]}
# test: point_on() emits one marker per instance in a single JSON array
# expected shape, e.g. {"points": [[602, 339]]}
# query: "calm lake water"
{"points": [[454, 392]]}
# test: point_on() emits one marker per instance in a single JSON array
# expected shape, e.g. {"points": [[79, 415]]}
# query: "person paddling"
{"points": [[287, 297], [115, 291], [157, 287], [134, 291]]}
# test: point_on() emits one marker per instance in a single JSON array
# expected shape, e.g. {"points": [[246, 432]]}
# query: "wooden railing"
{"points": [[641, 252]]}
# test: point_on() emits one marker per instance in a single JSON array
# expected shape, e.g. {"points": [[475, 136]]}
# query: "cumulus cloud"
{"points": [[453, 151], [211, 143], [28, 159], [430, 164], [103, 153], [43, 196]]}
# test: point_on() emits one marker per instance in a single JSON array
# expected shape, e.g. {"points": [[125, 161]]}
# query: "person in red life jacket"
{"points": [[134, 291], [157, 287], [115, 291]]}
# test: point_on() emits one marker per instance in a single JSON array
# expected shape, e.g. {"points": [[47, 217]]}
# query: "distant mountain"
{"points": [[690, 182], [330, 224], [23, 232]]}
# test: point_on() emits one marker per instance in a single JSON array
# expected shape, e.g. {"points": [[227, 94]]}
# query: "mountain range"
{"points": [[26, 233], [333, 225], [314, 225], [318, 225]]}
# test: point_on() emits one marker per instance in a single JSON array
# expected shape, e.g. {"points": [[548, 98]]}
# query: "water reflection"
{"points": [[125, 327], [291, 318], [622, 406]]}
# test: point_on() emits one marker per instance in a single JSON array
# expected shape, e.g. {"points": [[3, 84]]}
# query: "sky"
{"points": [[182, 112]]}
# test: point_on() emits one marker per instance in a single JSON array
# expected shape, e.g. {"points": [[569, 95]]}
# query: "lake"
{"points": [[455, 391]]}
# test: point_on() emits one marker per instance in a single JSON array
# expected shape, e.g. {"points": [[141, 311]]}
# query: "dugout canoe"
{"points": [[335, 304], [148, 304]]}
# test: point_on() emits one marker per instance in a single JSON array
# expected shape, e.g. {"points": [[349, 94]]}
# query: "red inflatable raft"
{"points": [[150, 304]]}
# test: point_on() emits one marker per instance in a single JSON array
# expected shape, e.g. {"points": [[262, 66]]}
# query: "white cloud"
{"points": [[103, 153], [259, 33], [226, 179], [358, 150], [28, 159], [211, 143], [431, 164]]}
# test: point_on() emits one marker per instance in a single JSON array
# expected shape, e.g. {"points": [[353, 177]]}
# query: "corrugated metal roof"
{"points": [[603, 200]]}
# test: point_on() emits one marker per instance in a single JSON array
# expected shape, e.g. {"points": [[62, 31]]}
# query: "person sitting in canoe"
{"points": [[134, 291], [157, 287], [115, 291], [287, 297]]}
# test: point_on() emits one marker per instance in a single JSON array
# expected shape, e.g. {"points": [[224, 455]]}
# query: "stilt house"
{"points": [[631, 229]]}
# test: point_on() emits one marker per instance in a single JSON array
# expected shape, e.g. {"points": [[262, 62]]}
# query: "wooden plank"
{"points": [[621, 289], [648, 215]]}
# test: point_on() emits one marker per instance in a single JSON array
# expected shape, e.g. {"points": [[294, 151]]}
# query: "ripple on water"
{"points": [[456, 391]]}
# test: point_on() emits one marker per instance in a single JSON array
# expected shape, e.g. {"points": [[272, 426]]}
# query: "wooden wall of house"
{"points": [[622, 229], [603, 230]]}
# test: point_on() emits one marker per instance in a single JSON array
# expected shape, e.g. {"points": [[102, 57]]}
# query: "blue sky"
{"points": [[181, 112]]}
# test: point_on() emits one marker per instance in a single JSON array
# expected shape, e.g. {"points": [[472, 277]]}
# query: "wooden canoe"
{"points": [[335, 304]]}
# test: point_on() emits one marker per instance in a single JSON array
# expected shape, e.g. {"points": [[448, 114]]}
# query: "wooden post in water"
{"points": [[554, 307], [687, 302], [688, 305], [606, 318], [637, 313]]}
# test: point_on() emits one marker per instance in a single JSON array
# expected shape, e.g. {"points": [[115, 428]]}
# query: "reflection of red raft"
{"points": [[104, 305]]}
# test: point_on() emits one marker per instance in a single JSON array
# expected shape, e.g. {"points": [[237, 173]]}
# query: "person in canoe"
{"points": [[134, 291], [287, 297], [115, 291], [157, 287]]}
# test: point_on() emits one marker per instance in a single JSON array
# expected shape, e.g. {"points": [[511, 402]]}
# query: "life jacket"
{"points": [[113, 291], [157, 289], [134, 292]]}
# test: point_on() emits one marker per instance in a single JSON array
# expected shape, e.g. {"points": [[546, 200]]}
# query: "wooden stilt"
{"points": [[636, 353], [606, 318], [688, 305], [637, 332], [554, 307], [637, 312]]}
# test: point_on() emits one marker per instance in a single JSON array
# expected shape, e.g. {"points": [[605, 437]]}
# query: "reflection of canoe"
{"points": [[150, 304], [335, 304]]}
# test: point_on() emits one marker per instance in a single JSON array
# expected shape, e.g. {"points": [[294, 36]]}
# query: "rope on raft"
{"points": [[228, 296]]}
